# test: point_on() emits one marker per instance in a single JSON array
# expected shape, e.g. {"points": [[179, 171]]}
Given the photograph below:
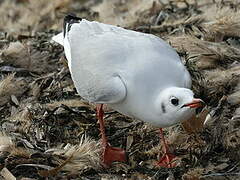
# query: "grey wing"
{"points": [[94, 77], [102, 90]]}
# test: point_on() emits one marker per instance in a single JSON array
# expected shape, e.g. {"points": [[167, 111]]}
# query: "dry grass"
{"points": [[21, 55], [222, 23], [70, 103], [193, 174], [121, 13], [5, 142], [46, 118], [208, 55], [83, 156], [78, 158], [11, 86], [234, 98], [30, 16]]}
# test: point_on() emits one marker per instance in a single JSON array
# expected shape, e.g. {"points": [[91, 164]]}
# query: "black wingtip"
{"points": [[70, 19]]}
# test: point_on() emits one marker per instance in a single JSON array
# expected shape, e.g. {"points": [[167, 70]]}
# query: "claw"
{"points": [[111, 154], [167, 159]]}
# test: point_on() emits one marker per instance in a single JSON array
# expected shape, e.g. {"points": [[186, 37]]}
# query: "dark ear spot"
{"points": [[163, 108]]}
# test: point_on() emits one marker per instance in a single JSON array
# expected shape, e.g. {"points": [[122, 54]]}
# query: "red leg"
{"points": [[110, 154], [166, 159]]}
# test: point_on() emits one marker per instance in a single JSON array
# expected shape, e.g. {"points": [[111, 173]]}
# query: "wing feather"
{"points": [[92, 75]]}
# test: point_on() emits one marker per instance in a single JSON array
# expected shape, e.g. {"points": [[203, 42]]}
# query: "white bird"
{"points": [[137, 74]]}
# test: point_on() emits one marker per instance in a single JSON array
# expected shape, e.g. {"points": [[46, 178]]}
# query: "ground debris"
{"points": [[49, 131]]}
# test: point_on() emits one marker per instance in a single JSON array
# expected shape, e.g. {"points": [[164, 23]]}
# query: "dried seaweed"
{"points": [[50, 131]]}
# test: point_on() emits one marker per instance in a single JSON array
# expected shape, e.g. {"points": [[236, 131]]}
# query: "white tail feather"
{"points": [[58, 38]]}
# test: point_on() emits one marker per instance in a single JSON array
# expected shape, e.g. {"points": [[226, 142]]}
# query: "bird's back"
{"points": [[98, 53]]}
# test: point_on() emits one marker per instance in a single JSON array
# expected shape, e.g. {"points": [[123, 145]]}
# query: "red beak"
{"points": [[196, 103]]}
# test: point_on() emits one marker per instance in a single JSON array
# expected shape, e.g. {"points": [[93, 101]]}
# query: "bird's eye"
{"points": [[174, 101]]}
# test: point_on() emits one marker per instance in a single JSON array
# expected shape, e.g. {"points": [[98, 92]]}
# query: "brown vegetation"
{"points": [[47, 130]]}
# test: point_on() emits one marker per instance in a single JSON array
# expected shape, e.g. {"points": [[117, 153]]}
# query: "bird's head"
{"points": [[176, 105]]}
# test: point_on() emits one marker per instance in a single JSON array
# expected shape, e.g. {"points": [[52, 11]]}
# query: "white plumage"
{"points": [[135, 73]]}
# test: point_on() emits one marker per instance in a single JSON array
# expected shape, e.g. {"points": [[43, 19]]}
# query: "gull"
{"points": [[136, 74]]}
